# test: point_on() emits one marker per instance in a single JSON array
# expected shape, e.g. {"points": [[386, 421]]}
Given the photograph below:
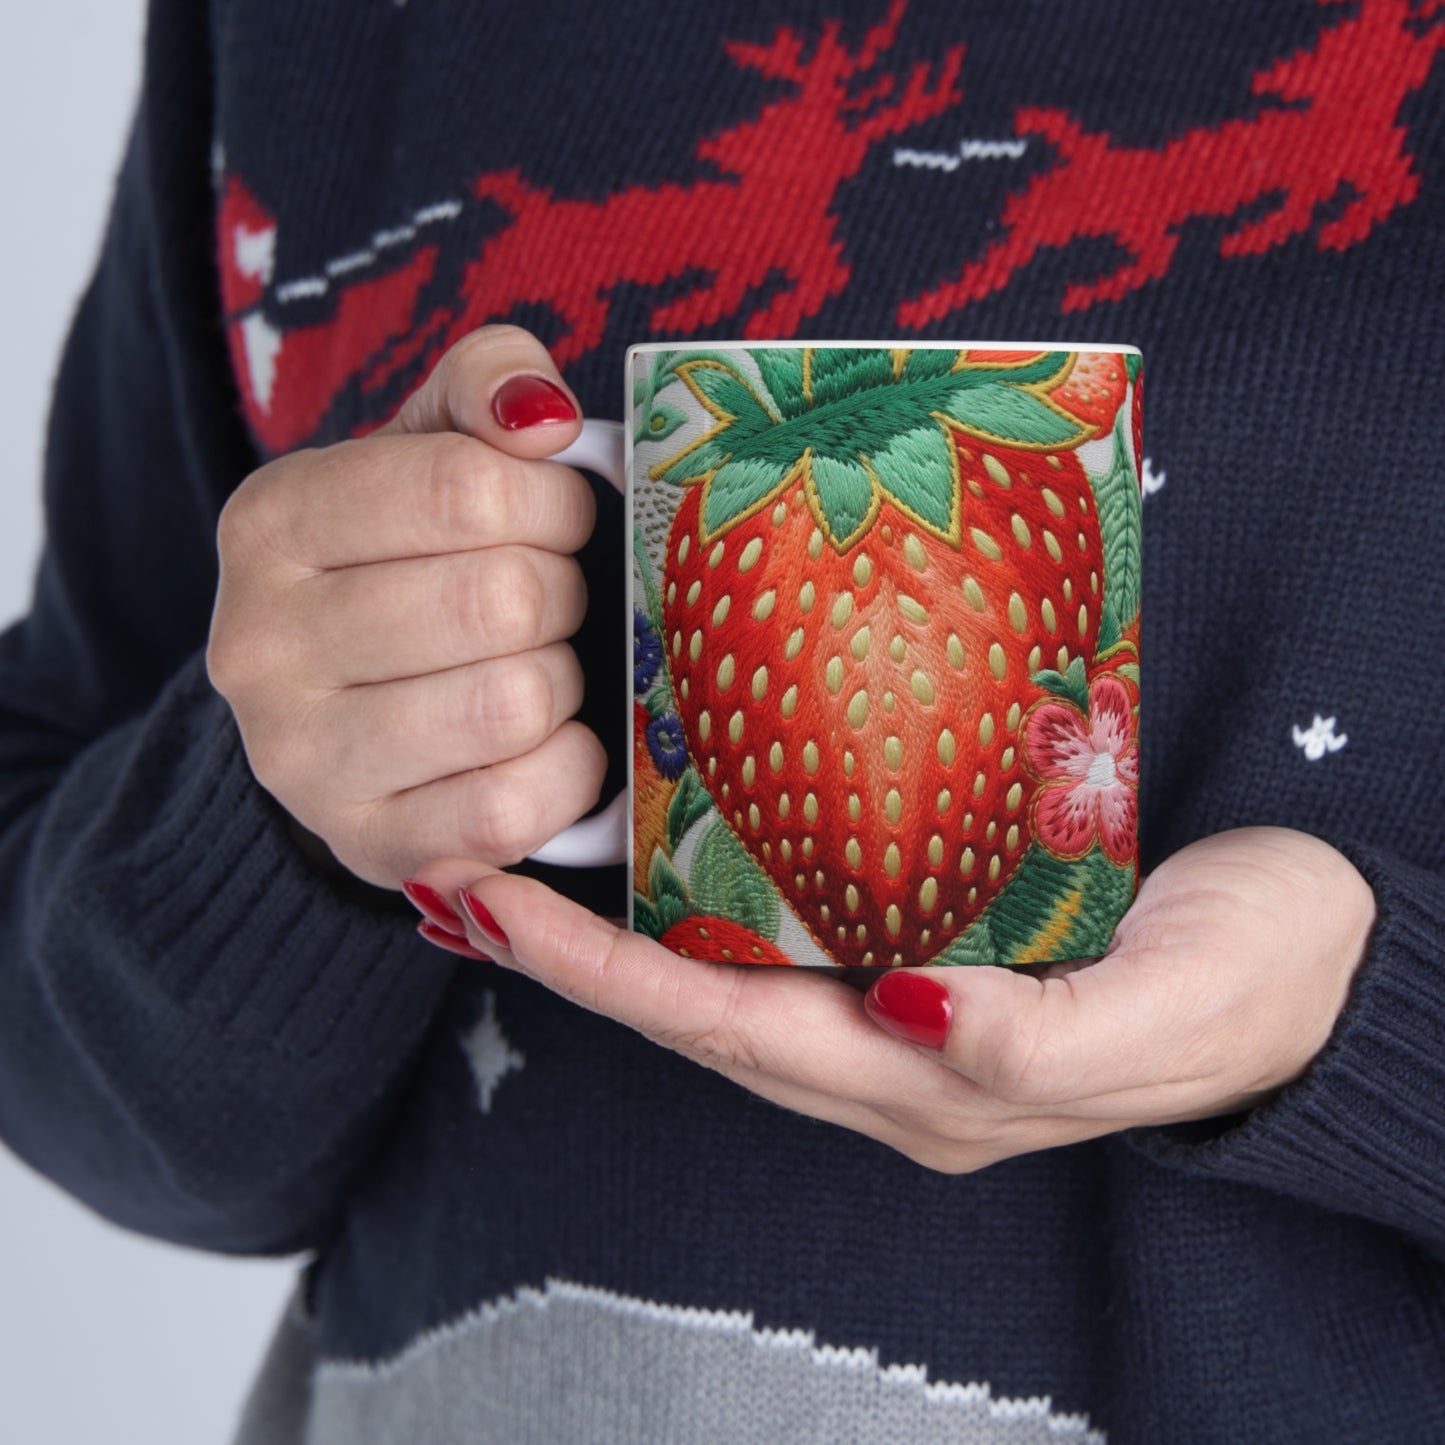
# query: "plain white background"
{"points": [[103, 1336]]}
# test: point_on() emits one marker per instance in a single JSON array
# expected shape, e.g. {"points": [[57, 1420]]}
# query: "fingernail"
{"points": [[482, 919], [450, 941], [911, 1007], [432, 905], [530, 400]]}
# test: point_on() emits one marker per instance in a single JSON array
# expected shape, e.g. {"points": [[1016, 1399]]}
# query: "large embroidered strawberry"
{"points": [[879, 559]]}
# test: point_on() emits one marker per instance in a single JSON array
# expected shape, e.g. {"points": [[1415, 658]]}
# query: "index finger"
{"points": [[1081, 1043], [395, 496], [779, 1031]]}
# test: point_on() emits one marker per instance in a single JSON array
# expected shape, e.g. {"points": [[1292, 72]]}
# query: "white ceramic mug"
{"points": [[885, 652]]}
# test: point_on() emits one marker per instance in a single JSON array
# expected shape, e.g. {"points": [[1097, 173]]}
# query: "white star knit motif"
{"points": [[489, 1053]]}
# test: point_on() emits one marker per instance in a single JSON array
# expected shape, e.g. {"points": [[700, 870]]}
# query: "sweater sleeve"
{"points": [[1362, 1132], [201, 1035]]}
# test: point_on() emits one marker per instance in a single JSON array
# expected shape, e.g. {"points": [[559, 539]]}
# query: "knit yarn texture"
{"points": [[524, 1222]]}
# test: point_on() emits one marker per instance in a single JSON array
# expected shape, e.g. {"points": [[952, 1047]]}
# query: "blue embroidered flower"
{"points": [[646, 652], [664, 742]]}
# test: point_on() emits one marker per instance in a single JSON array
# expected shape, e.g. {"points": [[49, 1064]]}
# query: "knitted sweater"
{"points": [[527, 1223]]}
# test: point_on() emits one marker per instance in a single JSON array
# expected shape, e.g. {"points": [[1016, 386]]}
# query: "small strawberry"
{"points": [[721, 940], [869, 568], [1094, 389]]}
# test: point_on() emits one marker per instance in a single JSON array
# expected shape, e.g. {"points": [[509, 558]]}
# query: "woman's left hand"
{"points": [[1223, 982]]}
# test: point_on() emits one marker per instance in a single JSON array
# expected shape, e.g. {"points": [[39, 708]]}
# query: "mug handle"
{"points": [[601, 839]]}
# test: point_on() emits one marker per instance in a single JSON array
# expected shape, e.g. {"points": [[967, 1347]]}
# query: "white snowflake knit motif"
{"points": [[1319, 738]]}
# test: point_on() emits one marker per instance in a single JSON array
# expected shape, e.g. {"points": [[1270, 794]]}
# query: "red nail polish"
{"points": [[911, 1007], [432, 905], [450, 941], [481, 916], [530, 400]]}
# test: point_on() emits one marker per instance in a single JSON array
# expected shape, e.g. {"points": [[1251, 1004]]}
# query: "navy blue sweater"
{"points": [[529, 1224]]}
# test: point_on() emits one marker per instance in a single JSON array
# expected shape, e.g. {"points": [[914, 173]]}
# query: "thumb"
{"points": [[1024, 1039], [499, 385]]}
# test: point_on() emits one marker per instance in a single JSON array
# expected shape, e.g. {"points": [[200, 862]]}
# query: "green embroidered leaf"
{"points": [[973, 948], [929, 361], [1055, 909], [729, 391], [689, 803], [663, 880], [707, 456], [781, 368], [670, 911], [917, 468], [1129, 670], [646, 387], [659, 700], [687, 788], [698, 808], [644, 917], [1001, 412], [1109, 632], [839, 373], [1133, 365], [1117, 496], [845, 495], [985, 372], [845, 405], [725, 881], [737, 487], [659, 371], [667, 890], [649, 584], [1072, 685], [659, 423]]}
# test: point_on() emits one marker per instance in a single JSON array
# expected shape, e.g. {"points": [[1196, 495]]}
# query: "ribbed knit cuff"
{"points": [[193, 880], [1363, 1131]]}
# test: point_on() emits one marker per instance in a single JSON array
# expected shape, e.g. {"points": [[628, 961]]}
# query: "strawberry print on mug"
{"points": [[885, 652]]}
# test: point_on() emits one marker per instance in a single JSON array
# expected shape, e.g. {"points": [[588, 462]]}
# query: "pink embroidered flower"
{"points": [[1089, 771]]}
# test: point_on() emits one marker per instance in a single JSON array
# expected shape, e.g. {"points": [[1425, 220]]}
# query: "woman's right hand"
{"points": [[390, 624]]}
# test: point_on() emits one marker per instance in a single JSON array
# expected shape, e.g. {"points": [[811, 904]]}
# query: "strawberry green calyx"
{"points": [[860, 426]]}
